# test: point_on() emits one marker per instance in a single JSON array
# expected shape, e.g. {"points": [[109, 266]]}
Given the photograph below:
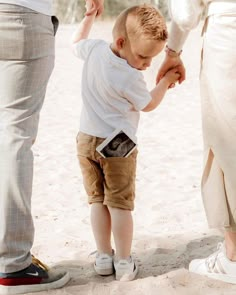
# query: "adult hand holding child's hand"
{"points": [[93, 6]]}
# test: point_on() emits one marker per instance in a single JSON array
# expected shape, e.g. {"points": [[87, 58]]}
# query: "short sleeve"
{"points": [[83, 48], [137, 93]]}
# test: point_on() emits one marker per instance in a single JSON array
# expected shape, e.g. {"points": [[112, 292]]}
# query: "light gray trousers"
{"points": [[26, 62]]}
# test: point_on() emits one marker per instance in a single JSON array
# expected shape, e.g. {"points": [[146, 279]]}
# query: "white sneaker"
{"points": [[104, 264], [216, 266], [126, 269]]}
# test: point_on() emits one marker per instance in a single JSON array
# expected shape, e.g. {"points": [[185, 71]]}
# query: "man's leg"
{"points": [[26, 62], [22, 90]]}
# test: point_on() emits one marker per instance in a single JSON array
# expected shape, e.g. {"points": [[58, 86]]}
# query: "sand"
{"points": [[170, 223]]}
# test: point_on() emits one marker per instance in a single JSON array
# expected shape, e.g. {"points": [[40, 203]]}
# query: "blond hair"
{"points": [[141, 20]]}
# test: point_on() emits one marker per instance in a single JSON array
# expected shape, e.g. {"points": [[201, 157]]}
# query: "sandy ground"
{"points": [[170, 223]]}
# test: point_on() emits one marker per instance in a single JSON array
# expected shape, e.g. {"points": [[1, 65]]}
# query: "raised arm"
{"points": [[84, 27]]}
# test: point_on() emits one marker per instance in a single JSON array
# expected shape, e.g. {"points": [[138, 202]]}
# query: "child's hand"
{"points": [[90, 8], [172, 76]]}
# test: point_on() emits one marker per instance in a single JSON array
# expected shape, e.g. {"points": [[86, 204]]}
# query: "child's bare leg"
{"points": [[122, 228], [101, 225]]}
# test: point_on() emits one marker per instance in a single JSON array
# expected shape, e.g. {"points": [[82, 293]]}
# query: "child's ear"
{"points": [[120, 43]]}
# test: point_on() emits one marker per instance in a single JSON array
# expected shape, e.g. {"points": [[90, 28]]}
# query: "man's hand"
{"points": [[94, 6], [169, 63]]}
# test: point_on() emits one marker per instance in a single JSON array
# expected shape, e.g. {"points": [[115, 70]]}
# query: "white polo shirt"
{"points": [[113, 92], [42, 6]]}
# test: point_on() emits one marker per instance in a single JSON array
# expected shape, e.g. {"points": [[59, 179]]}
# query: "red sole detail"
{"points": [[20, 281]]}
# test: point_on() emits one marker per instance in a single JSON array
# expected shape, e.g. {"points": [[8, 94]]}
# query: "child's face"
{"points": [[139, 53]]}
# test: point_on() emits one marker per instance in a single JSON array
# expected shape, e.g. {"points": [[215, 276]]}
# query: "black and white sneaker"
{"points": [[36, 277]]}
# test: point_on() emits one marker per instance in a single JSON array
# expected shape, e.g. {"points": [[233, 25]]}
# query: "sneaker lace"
{"points": [[40, 264], [211, 260]]}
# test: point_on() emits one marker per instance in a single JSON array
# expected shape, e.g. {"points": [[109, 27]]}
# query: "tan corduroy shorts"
{"points": [[110, 181]]}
